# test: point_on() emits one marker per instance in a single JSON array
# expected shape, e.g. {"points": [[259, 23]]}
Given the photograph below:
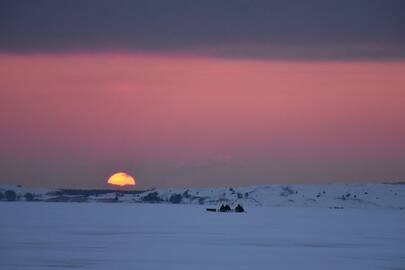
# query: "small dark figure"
{"points": [[239, 209], [224, 208]]}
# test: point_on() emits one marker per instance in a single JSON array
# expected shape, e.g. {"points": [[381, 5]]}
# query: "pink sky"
{"points": [[174, 120]]}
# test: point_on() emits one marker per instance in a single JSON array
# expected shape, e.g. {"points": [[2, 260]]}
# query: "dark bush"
{"points": [[1, 196], [186, 194], [10, 195], [175, 198], [29, 196], [152, 197], [286, 191]]}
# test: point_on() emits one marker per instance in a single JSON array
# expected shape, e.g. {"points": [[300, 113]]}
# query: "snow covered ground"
{"points": [[39, 235]]}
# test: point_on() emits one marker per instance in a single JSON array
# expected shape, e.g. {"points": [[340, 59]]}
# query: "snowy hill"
{"points": [[338, 195]]}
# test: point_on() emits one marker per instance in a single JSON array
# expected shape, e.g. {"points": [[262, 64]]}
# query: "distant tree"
{"points": [[1, 196], [29, 196], [175, 198], [10, 195]]}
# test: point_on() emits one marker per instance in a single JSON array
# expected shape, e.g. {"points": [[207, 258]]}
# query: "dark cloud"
{"points": [[362, 29]]}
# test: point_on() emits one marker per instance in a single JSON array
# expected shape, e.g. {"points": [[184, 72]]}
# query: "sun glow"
{"points": [[121, 179]]}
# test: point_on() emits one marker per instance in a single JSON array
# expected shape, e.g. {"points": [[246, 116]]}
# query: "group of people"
{"points": [[227, 208]]}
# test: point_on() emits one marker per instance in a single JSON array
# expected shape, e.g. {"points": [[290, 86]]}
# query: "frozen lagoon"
{"points": [[36, 235]]}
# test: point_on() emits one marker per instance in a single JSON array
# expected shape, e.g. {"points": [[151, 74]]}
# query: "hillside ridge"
{"points": [[335, 195]]}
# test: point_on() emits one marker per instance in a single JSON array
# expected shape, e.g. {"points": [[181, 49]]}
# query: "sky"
{"points": [[201, 93]]}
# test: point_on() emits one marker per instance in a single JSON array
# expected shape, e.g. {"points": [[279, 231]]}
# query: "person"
{"points": [[224, 208], [239, 209]]}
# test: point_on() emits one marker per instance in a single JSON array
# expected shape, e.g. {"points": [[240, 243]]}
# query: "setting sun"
{"points": [[121, 179]]}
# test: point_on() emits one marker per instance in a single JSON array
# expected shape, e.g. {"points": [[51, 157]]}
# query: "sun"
{"points": [[121, 179]]}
